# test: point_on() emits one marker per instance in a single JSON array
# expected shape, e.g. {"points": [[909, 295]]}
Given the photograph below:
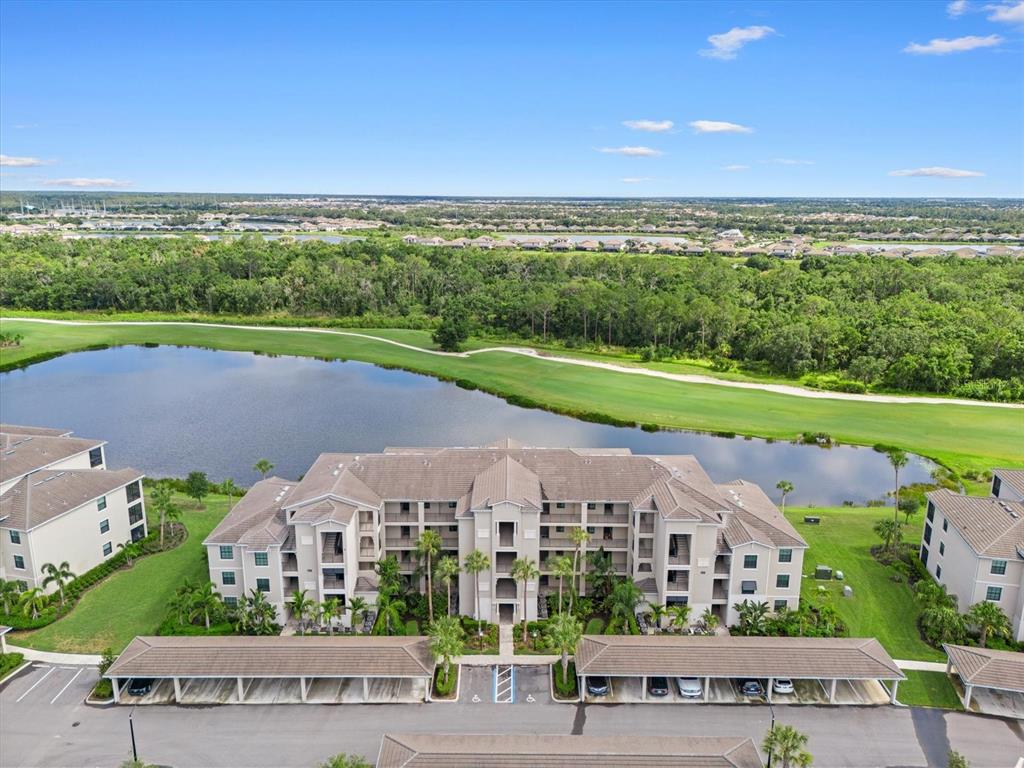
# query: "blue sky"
{"points": [[764, 98]]}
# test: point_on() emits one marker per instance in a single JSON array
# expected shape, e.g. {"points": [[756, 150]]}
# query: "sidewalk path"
{"points": [[688, 378], [924, 666], [84, 659], [506, 644]]}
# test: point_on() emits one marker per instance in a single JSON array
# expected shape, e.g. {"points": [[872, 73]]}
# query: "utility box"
{"points": [[839, 576], [812, 519], [847, 591], [823, 572]]}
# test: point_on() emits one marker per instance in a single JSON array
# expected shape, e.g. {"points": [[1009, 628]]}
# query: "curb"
{"points": [[16, 672], [458, 689], [551, 689]]}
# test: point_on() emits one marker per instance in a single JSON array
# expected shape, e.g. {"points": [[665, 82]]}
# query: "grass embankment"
{"points": [[132, 601], [965, 438], [928, 689]]}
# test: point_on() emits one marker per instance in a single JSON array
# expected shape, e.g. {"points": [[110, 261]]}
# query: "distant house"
{"points": [[695, 249], [531, 243], [483, 242], [612, 245], [503, 244], [588, 245], [730, 234], [753, 250], [724, 247], [783, 250], [560, 245]]}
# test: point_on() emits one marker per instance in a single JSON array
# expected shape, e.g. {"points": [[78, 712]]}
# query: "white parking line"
{"points": [[80, 671], [37, 682]]}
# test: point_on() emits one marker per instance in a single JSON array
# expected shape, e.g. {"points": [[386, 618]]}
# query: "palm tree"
{"points": [[561, 566], [360, 609], [710, 620], [161, 500], [257, 616], [203, 601], [524, 570], [477, 562], [787, 488], [329, 609], [787, 745], [678, 615], [898, 460], [301, 606], [932, 594], [389, 608], [9, 592], [230, 490], [32, 602], [990, 621], [891, 533], [428, 546], [447, 570], [753, 617], [388, 573], [565, 631], [446, 642], [657, 612], [623, 600], [579, 537], [59, 575], [343, 760], [131, 551], [264, 467]]}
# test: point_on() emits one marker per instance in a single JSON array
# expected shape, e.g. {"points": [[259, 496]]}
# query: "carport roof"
{"points": [[292, 656], [842, 658], [430, 750], [985, 668]]}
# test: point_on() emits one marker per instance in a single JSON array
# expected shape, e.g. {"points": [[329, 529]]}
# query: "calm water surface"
{"points": [[169, 410]]}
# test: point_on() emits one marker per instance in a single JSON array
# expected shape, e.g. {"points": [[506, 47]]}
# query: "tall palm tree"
{"points": [[561, 566], [891, 533], [898, 460], [786, 744], [388, 573], [428, 546], [447, 569], [678, 615], [161, 499], [579, 537], [360, 610], [565, 631], [389, 608], [329, 609], [9, 592], [264, 467], [524, 569], [59, 575], [477, 562], [301, 606], [204, 601], [32, 602], [623, 600], [446, 642], [230, 490], [753, 617], [990, 621], [787, 488]]}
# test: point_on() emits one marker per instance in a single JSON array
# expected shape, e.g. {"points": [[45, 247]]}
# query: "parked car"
{"points": [[597, 685], [657, 686], [689, 687], [751, 688], [140, 686], [782, 685]]}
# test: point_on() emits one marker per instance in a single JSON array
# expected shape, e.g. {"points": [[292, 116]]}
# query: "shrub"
{"points": [[565, 687], [104, 689], [412, 628], [9, 662], [442, 688], [595, 626]]}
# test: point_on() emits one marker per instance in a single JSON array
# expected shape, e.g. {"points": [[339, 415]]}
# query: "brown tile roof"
{"points": [[756, 518], [256, 520], [506, 480], [42, 496], [21, 454], [696, 656], [987, 668], [991, 527], [328, 510], [235, 656], [17, 429], [1012, 477], [431, 750]]}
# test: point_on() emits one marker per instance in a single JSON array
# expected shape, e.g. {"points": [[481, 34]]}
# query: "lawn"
{"points": [[965, 438], [928, 689], [879, 606], [134, 601]]}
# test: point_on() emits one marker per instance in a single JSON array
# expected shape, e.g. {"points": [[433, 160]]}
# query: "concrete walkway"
{"points": [[56, 658], [506, 643], [782, 389], [924, 666], [506, 660]]}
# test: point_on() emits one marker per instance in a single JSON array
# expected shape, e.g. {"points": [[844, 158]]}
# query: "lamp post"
{"points": [[771, 729], [131, 730]]}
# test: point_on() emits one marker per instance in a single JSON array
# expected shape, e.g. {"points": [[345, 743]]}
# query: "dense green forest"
{"points": [[936, 324]]}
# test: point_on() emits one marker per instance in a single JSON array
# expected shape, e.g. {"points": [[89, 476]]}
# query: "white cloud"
{"points": [[86, 182], [956, 8], [653, 126], [1011, 13], [941, 46], [717, 126], [21, 162], [631, 151], [726, 44], [939, 171], [789, 161], [636, 179], [736, 167]]}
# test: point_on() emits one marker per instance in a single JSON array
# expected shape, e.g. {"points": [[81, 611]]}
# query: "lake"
{"points": [[170, 410]]}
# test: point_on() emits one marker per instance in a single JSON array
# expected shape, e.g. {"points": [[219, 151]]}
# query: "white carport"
{"points": [[999, 674]]}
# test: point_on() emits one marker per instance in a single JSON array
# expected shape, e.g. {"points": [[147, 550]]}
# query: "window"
{"points": [[942, 548], [545, 532], [261, 559], [104, 526], [560, 505], [101, 503], [426, 505], [107, 549], [927, 533], [559, 529], [405, 532], [750, 561], [997, 486], [547, 508], [998, 566], [591, 505], [945, 524], [263, 585], [453, 529], [785, 555], [226, 553], [134, 513], [607, 534], [138, 532], [609, 508], [405, 506], [748, 587], [452, 504], [938, 571], [133, 491], [994, 594], [782, 581], [22, 586], [931, 511], [781, 605], [227, 578], [19, 562], [591, 529], [95, 457], [15, 537], [231, 602], [924, 555]]}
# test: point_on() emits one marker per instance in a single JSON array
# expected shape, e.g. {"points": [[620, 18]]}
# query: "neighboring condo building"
{"points": [[58, 503], [662, 520], [974, 546]]}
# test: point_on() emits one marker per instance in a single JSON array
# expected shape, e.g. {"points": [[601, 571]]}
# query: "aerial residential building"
{"points": [[59, 503], [661, 519], [975, 547], [1008, 484]]}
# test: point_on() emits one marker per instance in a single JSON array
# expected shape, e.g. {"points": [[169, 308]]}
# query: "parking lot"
{"points": [[50, 685], [281, 691], [629, 690], [530, 685]]}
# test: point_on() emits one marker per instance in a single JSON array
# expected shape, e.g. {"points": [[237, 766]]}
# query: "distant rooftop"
{"points": [[42, 496], [991, 527], [23, 452]]}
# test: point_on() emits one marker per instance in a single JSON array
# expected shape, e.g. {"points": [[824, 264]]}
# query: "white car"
{"points": [[689, 687], [782, 685]]}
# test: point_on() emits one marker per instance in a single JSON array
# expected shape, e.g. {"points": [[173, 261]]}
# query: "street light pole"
{"points": [[131, 730], [771, 730]]}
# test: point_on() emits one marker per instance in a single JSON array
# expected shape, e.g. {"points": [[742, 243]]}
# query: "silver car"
{"points": [[689, 687], [782, 685]]}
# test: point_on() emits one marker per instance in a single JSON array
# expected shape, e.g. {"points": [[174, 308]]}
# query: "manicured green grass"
{"points": [[879, 607], [134, 601], [928, 689], [962, 437]]}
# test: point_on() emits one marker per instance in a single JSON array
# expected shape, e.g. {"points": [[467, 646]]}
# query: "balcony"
{"points": [[679, 550], [617, 542], [365, 527], [645, 550], [719, 592], [332, 548], [399, 542], [646, 526], [557, 542], [560, 517], [412, 516], [601, 518], [290, 584], [289, 564], [506, 534], [334, 581], [506, 589], [681, 582], [442, 516], [722, 565]]}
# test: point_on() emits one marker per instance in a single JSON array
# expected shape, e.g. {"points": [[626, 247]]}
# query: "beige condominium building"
{"points": [[663, 521], [59, 503], [975, 545]]}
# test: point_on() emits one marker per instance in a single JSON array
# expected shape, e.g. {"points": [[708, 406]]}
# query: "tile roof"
{"points": [[24, 453], [506, 480], [244, 656], [991, 527], [17, 429], [431, 750], [41, 496], [755, 518], [696, 656], [984, 667], [257, 519], [1012, 477]]}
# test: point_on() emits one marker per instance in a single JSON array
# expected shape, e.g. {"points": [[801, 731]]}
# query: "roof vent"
{"points": [[335, 473]]}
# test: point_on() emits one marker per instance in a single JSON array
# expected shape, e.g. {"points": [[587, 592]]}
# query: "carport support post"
{"points": [[892, 691], [117, 689], [302, 688], [770, 682], [177, 690], [968, 690], [832, 692], [643, 689], [366, 689], [707, 689], [241, 689]]}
